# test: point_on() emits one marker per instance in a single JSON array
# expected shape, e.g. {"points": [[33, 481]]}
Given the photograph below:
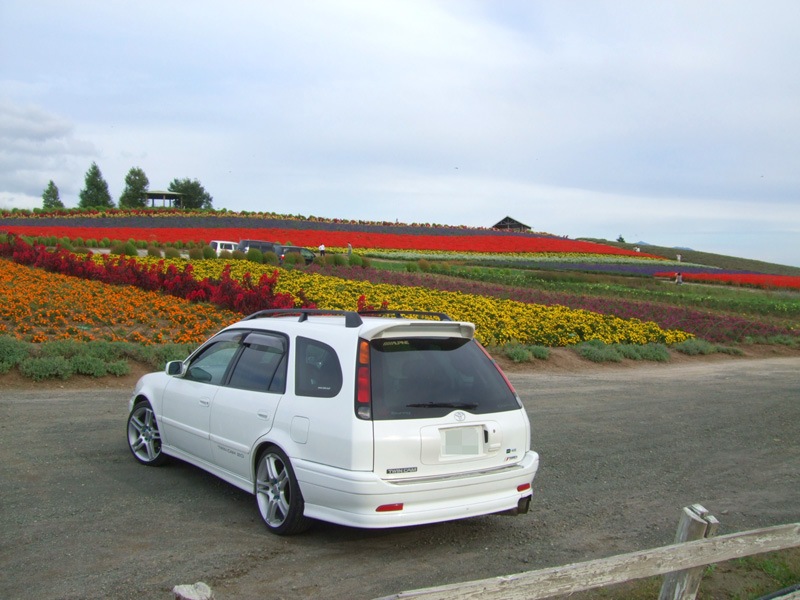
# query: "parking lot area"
{"points": [[623, 450]]}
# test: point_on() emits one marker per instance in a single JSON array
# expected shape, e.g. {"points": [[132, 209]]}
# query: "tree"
{"points": [[621, 239], [51, 198], [194, 195], [136, 184], [95, 193]]}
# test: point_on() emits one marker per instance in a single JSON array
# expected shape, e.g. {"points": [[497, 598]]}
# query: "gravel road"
{"points": [[623, 450]]}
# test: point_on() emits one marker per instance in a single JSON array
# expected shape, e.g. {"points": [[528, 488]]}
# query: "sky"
{"points": [[671, 123]]}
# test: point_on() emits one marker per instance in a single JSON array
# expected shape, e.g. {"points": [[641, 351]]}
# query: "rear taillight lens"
{"points": [[496, 366], [363, 392]]}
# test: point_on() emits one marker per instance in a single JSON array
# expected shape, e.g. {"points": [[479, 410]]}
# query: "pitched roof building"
{"points": [[511, 224]]}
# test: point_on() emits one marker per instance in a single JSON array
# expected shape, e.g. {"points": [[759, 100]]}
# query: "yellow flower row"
{"points": [[497, 321]]}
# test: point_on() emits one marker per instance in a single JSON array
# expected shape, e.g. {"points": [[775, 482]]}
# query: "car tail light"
{"points": [[496, 366], [363, 392], [389, 507], [524, 487]]}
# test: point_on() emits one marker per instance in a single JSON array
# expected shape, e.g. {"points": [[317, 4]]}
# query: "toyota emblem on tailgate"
{"points": [[459, 416]]}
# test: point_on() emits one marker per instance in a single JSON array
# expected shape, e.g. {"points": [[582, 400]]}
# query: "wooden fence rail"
{"points": [[545, 583]]}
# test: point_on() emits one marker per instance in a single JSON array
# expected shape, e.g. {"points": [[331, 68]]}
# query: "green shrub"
{"points": [[629, 351], [412, 267], [65, 243], [255, 255], [105, 243], [157, 356], [517, 352], [64, 348], [695, 346], [85, 364], [539, 352], [654, 352], [197, 253], [356, 261], [124, 249], [172, 253], [424, 265], [40, 368], [730, 350], [12, 352], [598, 352], [226, 254], [118, 368], [238, 255], [155, 251], [337, 260], [269, 258], [525, 352], [293, 258], [209, 252], [78, 241]]}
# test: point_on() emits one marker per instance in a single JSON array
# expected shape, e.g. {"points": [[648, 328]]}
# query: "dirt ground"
{"points": [[624, 447]]}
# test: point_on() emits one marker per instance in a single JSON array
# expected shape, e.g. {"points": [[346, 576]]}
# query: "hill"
{"points": [[706, 258]]}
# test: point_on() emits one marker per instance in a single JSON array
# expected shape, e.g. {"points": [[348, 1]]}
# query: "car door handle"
{"points": [[205, 402], [262, 414]]}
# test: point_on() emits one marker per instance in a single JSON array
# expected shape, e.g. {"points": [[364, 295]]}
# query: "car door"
{"points": [[244, 408], [187, 399]]}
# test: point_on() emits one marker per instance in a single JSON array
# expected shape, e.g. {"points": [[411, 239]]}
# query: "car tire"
{"points": [[280, 501], [144, 437]]}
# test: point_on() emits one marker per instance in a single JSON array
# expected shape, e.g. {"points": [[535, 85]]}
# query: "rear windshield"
{"points": [[421, 378]]}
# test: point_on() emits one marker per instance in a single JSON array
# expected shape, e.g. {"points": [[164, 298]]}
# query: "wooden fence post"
{"points": [[695, 524]]}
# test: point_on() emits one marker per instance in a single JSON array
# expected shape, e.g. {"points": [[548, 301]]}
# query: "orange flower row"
{"points": [[41, 306]]}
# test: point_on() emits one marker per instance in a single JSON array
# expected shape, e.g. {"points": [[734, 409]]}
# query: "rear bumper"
{"points": [[352, 498]]}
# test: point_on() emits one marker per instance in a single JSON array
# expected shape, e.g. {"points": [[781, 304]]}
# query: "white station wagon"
{"points": [[371, 420]]}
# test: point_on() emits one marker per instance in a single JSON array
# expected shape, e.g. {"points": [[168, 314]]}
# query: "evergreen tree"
{"points": [[136, 185], [194, 195], [50, 197], [95, 194]]}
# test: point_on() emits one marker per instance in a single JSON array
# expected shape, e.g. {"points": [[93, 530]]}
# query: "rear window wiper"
{"points": [[464, 405]]}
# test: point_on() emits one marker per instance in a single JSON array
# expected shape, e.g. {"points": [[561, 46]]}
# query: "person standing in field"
{"points": [[322, 249]]}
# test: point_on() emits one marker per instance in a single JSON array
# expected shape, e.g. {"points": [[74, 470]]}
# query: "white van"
{"points": [[220, 245]]}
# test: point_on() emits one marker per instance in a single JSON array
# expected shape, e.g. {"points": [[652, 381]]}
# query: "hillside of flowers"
{"points": [[504, 312], [498, 321]]}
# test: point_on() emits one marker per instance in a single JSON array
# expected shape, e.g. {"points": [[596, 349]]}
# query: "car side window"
{"points": [[212, 363], [261, 367], [318, 372]]}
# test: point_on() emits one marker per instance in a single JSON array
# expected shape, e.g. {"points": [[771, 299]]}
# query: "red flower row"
{"points": [[312, 239], [758, 280]]}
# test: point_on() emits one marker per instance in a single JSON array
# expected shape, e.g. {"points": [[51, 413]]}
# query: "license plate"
{"points": [[461, 441]]}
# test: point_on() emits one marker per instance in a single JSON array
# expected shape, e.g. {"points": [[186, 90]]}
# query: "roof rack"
{"points": [[404, 313], [351, 317]]}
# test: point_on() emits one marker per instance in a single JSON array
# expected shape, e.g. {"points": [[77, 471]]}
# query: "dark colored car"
{"points": [[307, 254], [246, 245]]}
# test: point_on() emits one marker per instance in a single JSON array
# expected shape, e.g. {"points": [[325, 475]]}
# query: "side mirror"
{"points": [[174, 367]]}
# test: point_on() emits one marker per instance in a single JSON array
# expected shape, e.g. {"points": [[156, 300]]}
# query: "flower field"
{"points": [[41, 306], [758, 280], [332, 239], [497, 321], [503, 312]]}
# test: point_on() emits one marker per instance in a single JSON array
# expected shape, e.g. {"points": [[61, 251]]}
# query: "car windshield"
{"points": [[430, 377]]}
